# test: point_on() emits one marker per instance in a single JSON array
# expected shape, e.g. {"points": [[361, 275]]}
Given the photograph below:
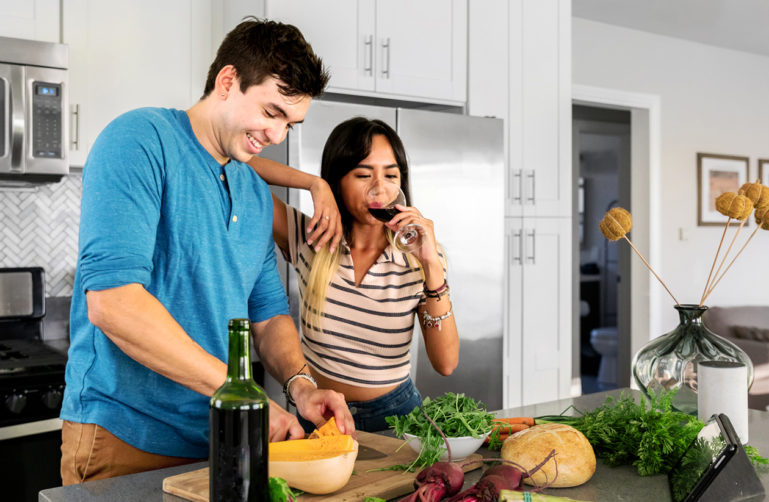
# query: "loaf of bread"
{"points": [[575, 456]]}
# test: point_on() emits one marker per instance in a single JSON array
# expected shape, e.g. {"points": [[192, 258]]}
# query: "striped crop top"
{"points": [[366, 335]]}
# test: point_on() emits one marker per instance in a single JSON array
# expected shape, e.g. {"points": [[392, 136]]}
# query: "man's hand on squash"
{"points": [[283, 425], [319, 405]]}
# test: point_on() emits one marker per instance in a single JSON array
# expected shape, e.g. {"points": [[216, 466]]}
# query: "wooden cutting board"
{"points": [[383, 484]]}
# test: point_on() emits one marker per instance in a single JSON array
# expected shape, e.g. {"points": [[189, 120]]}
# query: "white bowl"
{"points": [[461, 447]]}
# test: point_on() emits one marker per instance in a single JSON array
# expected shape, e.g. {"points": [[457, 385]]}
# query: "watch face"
{"points": [[699, 465]]}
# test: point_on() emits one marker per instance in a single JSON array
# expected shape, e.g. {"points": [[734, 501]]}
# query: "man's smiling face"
{"points": [[257, 118]]}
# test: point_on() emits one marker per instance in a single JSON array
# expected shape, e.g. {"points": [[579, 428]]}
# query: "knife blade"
{"points": [[369, 453]]}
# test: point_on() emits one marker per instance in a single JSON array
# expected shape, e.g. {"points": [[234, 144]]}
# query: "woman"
{"points": [[360, 297]]}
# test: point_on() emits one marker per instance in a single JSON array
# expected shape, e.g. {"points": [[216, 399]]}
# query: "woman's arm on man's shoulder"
{"points": [[325, 225]]}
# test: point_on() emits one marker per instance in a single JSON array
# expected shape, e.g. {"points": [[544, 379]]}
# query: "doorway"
{"points": [[601, 144]]}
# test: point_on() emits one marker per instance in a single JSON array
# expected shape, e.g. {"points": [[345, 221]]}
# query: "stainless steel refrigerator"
{"points": [[456, 166]]}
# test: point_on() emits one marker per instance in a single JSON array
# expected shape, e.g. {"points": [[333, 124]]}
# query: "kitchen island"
{"points": [[608, 483]]}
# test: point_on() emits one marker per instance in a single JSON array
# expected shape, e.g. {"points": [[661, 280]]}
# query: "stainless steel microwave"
{"points": [[34, 108]]}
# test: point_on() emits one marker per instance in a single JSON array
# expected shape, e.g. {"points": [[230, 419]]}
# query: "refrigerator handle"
{"points": [[532, 176], [75, 141], [386, 57], [16, 97], [533, 255], [516, 174], [368, 47]]}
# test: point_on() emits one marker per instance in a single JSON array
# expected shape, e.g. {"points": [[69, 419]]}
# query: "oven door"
{"points": [[12, 115], [30, 459]]}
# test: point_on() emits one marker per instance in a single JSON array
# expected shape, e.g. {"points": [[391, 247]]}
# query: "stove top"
{"points": [[31, 381], [18, 356]]}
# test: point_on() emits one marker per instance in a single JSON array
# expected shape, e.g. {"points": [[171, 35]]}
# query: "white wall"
{"points": [[712, 100]]}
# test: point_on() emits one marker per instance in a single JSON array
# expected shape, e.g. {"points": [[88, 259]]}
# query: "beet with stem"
{"points": [[440, 480]]}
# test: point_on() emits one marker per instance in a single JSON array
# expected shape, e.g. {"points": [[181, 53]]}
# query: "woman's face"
{"points": [[379, 167]]}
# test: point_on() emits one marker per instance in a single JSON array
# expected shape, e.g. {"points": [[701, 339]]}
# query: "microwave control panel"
{"points": [[46, 120]]}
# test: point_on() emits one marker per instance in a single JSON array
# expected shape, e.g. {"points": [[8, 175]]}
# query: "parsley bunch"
{"points": [[455, 414], [622, 431]]}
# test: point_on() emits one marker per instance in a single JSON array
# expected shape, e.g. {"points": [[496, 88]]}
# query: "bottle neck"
{"points": [[239, 360]]}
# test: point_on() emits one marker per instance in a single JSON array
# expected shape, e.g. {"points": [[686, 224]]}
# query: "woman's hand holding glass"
{"points": [[413, 233]]}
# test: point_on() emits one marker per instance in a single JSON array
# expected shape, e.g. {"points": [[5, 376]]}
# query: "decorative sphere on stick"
{"points": [[757, 193], [762, 217], [734, 205], [616, 223]]}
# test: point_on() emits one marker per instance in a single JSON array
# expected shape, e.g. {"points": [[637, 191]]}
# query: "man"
{"points": [[175, 239]]}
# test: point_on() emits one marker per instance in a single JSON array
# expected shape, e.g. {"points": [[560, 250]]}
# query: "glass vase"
{"points": [[670, 361]]}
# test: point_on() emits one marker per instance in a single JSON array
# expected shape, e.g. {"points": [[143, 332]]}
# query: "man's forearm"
{"points": [[277, 343], [141, 327]]}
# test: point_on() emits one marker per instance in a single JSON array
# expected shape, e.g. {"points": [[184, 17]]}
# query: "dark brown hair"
{"points": [[259, 49], [347, 145]]}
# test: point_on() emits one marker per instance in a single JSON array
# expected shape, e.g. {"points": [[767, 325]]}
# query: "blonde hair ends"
{"points": [[323, 267]]}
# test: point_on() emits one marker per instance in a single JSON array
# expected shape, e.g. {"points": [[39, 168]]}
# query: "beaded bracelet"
{"points": [[442, 290], [429, 321], [287, 385]]}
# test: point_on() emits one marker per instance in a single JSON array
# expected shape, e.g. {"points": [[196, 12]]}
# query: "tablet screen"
{"points": [[703, 452]]}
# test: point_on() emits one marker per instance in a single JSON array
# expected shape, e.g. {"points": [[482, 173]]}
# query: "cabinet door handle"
{"points": [[533, 255], [517, 174], [75, 142], [515, 257], [368, 47], [386, 57], [532, 193]]}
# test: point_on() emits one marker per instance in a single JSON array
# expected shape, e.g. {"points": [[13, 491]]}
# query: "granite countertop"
{"points": [[608, 483]]}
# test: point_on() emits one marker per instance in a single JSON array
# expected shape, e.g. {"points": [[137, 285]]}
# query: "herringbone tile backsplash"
{"points": [[39, 228]]}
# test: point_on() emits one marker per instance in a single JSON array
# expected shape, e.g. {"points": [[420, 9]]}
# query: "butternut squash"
{"points": [[328, 429], [319, 466]]}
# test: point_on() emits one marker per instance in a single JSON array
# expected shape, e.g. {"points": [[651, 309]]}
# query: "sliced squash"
{"points": [[319, 466], [328, 429]]}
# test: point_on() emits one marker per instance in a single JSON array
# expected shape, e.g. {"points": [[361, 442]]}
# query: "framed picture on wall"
{"points": [[763, 171], [717, 174]]}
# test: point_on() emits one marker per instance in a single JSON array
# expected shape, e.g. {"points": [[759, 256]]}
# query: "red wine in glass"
{"points": [[384, 214]]}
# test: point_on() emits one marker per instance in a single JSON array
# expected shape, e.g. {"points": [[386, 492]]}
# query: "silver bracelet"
{"points": [[429, 321], [287, 386]]}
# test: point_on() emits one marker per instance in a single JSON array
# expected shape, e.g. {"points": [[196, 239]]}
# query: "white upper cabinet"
{"points": [[388, 48], [126, 55], [30, 19], [540, 109]]}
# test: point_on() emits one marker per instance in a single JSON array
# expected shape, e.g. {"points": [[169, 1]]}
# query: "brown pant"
{"points": [[90, 452]]}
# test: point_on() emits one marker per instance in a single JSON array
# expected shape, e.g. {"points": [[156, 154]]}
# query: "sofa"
{"points": [[748, 328]]}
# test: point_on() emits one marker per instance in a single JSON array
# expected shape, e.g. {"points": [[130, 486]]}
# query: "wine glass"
{"points": [[381, 198]]}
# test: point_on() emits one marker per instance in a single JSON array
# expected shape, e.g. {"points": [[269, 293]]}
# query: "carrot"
{"points": [[515, 420], [501, 431]]}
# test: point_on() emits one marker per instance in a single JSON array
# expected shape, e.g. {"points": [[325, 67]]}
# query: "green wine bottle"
{"points": [[239, 427]]}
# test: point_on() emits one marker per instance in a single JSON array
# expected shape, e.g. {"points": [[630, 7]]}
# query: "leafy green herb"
{"points": [[495, 439], [652, 439], [373, 499], [280, 491], [455, 414]]}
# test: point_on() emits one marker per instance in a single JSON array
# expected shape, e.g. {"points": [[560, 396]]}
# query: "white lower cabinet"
{"points": [[126, 55], [538, 318]]}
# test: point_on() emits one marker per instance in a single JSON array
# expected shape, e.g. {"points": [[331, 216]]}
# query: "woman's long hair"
{"points": [[347, 145]]}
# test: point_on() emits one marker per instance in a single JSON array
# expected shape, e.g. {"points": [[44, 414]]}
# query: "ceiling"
{"points": [[741, 25]]}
